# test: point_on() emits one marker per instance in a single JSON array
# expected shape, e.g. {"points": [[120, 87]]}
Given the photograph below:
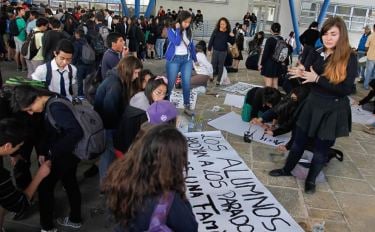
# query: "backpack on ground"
{"points": [[13, 28], [281, 51], [88, 54], [160, 214], [49, 76], [93, 141], [29, 49]]}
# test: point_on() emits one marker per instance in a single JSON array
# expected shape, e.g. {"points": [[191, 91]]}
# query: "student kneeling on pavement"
{"points": [[58, 147], [11, 199], [259, 100]]}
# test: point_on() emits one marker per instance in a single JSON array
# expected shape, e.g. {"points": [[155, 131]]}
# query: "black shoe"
{"points": [[92, 171], [279, 172], [361, 80], [335, 153], [309, 187]]}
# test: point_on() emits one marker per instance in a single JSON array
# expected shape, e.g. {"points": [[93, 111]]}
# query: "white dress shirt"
{"points": [[40, 74]]}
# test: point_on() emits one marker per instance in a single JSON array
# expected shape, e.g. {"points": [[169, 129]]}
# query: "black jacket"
{"points": [[309, 37], [49, 41], [219, 41], [368, 98]]}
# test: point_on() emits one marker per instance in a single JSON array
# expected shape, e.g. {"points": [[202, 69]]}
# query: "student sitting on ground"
{"points": [[202, 67], [259, 100], [152, 173], [366, 102], [156, 90], [11, 199]]}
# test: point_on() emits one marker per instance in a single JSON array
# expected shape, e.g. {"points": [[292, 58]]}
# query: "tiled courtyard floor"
{"points": [[346, 202]]}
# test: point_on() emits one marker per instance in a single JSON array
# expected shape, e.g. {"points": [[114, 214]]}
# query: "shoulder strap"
{"points": [[161, 211], [48, 74], [70, 75]]}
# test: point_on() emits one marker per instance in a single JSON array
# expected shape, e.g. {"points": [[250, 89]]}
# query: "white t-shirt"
{"points": [[182, 48], [205, 67]]}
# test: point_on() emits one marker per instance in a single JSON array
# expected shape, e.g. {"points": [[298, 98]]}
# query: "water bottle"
{"points": [[319, 227], [191, 124]]}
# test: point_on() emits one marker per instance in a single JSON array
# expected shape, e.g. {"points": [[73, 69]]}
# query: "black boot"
{"points": [[152, 55], [290, 164], [311, 177]]}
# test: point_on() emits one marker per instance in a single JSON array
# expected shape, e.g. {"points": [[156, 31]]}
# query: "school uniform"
{"points": [[60, 82], [58, 147], [270, 67]]}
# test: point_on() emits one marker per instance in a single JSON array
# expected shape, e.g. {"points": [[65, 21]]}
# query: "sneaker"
{"points": [[188, 111], [64, 221], [51, 230]]}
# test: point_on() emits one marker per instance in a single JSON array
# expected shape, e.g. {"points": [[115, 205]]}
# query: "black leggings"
{"points": [[66, 172]]}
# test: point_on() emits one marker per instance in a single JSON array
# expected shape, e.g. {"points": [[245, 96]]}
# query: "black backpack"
{"points": [[29, 49], [93, 81], [13, 28]]}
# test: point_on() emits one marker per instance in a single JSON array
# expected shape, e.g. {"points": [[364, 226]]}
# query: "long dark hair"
{"points": [[182, 16], [154, 165], [125, 69], [24, 95], [217, 28], [152, 84]]}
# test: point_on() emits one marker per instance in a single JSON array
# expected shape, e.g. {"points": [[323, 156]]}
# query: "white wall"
{"points": [[233, 10]]}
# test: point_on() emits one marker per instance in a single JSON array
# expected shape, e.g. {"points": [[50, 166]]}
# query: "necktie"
{"points": [[62, 83]]}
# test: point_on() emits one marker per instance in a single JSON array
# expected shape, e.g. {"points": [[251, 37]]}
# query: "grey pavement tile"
{"points": [[321, 200], [358, 210], [339, 184]]}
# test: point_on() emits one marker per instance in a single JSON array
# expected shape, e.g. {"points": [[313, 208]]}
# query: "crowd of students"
{"points": [[144, 162]]}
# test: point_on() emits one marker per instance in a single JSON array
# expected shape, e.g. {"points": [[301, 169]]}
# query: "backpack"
{"points": [[281, 50], [88, 54], [234, 51], [13, 28], [160, 214], [49, 76], [93, 142], [29, 49], [98, 40], [93, 81]]}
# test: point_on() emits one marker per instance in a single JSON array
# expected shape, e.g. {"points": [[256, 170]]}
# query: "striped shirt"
{"points": [[11, 199]]}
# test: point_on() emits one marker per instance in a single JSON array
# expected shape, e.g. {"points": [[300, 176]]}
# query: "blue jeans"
{"points": [[252, 29], [82, 71], [184, 65], [108, 156], [159, 45], [369, 75]]}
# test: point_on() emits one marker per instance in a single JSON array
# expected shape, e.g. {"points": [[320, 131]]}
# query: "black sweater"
{"points": [[219, 41], [61, 142], [309, 37], [255, 98], [324, 87]]}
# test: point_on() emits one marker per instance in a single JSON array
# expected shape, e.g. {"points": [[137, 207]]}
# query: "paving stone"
{"points": [[349, 185], [268, 166], [266, 154], [369, 147], [359, 211], [336, 227], [325, 214], [371, 180], [262, 175], [285, 181], [360, 160], [343, 169], [290, 199], [321, 200]]}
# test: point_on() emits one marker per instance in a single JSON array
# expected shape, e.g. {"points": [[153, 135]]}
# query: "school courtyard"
{"points": [[345, 202]]}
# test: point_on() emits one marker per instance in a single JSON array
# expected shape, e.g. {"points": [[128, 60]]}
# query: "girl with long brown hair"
{"points": [[154, 167], [112, 96], [325, 115]]}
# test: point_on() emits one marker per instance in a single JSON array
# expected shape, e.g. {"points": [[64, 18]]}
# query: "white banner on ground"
{"points": [[178, 100], [225, 194], [240, 87], [232, 123], [234, 100]]}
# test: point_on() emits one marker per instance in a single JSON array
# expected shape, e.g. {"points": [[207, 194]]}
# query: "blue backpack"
{"points": [[160, 214]]}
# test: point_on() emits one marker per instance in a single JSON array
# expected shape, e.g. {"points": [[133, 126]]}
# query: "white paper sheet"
{"points": [[234, 100], [178, 100], [233, 124], [240, 88], [225, 194]]}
